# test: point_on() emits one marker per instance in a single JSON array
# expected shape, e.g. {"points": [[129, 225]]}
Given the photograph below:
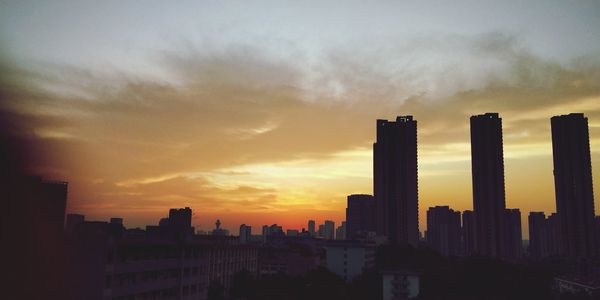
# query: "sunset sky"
{"points": [[263, 112]]}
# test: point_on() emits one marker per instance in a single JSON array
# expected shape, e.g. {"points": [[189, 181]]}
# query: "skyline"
{"points": [[278, 121]]}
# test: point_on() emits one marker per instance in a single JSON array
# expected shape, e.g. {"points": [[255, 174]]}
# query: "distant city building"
{"points": [[311, 228], [487, 163], [292, 232], [443, 230], [218, 231], [265, 232], [178, 225], [513, 233], [360, 215], [340, 232], [245, 233], [116, 221], [573, 184], [400, 285], [273, 230], [276, 230], [395, 180], [468, 233], [349, 259], [180, 218], [329, 230], [538, 235]]}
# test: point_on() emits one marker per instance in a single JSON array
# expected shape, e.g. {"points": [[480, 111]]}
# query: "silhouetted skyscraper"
{"points": [[360, 215], [538, 235], [395, 180], [443, 230], [487, 164], [573, 184], [468, 232], [513, 233]]}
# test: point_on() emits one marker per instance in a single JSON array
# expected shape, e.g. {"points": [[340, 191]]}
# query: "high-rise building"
{"points": [[468, 232], [538, 235], [329, 230], [311, 227], [513, 233], [360, 215], [395, 180], [487, 164], [443, 230], [573, 184], [245, 233]]}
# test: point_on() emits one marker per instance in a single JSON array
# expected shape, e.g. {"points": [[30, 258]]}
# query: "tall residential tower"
{"points": [[395, 180], [573, 185], [487, 164]]}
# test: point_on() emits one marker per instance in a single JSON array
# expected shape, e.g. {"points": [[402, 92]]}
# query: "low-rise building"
{"points": [[349, 259]]}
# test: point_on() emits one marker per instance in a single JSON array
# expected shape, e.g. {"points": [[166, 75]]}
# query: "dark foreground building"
{"points": [[468, 233], [573, 184], [487, 164], [538, 235], [395, 180]]}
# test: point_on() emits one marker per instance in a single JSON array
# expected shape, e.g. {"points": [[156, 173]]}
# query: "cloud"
{"points": [[209, 134]]}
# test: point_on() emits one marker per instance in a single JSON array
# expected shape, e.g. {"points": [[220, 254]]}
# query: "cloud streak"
{"points": [[238, 130]]}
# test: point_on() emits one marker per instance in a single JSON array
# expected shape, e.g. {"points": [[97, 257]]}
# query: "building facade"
{"points": [[487, 165], [573, 184], [349, 259], [395, 180]]}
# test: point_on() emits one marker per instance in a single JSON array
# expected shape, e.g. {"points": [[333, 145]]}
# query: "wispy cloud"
{"points": [[236, 130]]}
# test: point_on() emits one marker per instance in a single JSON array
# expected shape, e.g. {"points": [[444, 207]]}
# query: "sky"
{"points": [[263, 112]]}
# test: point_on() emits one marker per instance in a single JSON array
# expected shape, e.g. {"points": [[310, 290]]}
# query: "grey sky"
{"points": [[126, 35]]}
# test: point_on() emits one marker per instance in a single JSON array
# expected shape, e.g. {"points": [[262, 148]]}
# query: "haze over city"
{"points": [[260, 118]]}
